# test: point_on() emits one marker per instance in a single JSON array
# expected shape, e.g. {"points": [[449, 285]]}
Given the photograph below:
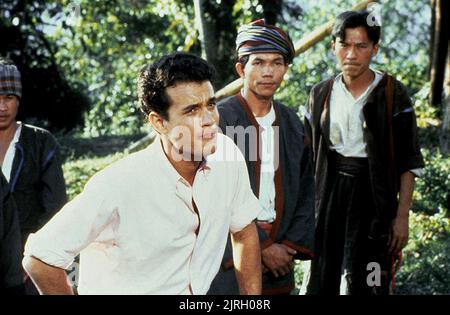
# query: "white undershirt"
{"points": [[10, 153], [266, 183]]}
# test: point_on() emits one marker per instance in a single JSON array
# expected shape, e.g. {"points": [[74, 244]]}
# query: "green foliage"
{"points": [[110, 43], [427, 118], [83, 157], [432, 193], [49, 99], [426, 257], [78, 172]]}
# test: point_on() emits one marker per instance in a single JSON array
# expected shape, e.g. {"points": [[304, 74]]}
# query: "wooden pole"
{"points": [[301, 46]]}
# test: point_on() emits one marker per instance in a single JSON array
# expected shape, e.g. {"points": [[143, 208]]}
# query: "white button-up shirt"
{"points": [[347, 118], [134, 224]]}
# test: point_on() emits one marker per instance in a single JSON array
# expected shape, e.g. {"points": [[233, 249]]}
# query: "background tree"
{"points": [[217, 26], [48, 98], [439, 67]]}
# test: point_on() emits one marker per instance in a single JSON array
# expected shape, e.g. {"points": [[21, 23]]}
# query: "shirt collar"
{"points": [[204, 166], [340, 82], [17, 133], [268, 119], [156, 152]]}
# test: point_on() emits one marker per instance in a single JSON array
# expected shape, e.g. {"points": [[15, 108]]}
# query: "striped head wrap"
{"points": [[10, 82], [261, 37]]}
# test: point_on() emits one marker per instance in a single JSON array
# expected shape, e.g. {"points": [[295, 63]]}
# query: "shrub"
{"points": [[426, 257], [432, 188], [78, 172]]}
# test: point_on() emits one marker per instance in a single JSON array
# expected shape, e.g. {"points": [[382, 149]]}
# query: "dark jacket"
{"points": [[37, 181], [384, 171], [294, 183], [10, 243]]}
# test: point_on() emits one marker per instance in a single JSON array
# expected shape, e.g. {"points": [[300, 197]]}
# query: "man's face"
{"points": [[354, 54], [9, 105], [193, 119], [263, 73]]}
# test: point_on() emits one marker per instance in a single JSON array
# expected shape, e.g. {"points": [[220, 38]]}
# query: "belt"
{"points": [[350, 166]]}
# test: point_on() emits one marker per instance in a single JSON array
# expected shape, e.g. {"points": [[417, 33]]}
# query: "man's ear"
{"points": [[239, 69], [158, 123], [333, 46], [375, 50]]}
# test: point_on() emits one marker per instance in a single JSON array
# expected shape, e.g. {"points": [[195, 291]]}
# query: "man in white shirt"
{"points": [[366, 154], [156, 222]]}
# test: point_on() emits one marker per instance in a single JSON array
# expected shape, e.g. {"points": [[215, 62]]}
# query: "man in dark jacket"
{"points": [[366, 155], [11, 276], [29, 157], [271, 137]]}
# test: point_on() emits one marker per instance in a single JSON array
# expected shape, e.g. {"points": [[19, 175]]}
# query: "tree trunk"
{"points": [[439, 50], [432, 29], [271, 10], [217, 33], [440, 68], [206, 36], [445, 131]]}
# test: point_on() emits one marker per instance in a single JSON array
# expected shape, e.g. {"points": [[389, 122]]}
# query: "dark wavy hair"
{"points": [[353, 19], [168, 71]]}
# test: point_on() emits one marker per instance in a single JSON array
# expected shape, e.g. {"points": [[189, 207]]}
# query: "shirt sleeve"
{"points": [[74, 227], [406, 138], [245, 204], [53, 195], [418, 172]]}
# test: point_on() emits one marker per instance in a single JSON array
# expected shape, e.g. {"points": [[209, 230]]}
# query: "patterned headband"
{"points": [[260, 37], [10, 82]]}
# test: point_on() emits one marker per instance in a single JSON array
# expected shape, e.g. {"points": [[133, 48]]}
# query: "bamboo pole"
{"points": [[301, 46]]}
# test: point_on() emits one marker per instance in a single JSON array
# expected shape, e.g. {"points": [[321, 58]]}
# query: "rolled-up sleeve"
{"points": [[74, 227]]}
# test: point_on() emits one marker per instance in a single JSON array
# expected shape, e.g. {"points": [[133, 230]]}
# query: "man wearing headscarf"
{"points": [[29, 159], [272, 139]]}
